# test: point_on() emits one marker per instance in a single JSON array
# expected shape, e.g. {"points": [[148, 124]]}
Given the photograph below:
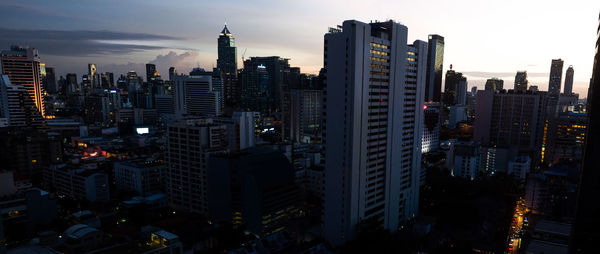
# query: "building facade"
{"points": [[227, 63], [435, 65], [22, 65], [372, 117]]}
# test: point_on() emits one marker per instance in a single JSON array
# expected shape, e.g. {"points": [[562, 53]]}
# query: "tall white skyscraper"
{"points": [[372, 122]]}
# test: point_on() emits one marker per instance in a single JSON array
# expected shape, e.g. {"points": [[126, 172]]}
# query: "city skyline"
{"points": [[68, 39]]}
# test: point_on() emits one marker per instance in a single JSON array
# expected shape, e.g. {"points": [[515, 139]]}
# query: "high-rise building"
{"points": [[227, 63], [584, 238], [189, 144], [195, 95], [16, 106], [22, 65], [373, 107], [255, 187], [108, 80], [49, 80], [494, 84], [431, 127], [151, 72], [511, 119], [569, 80], [435, 64], [93, 77], [467, 159], [306, 115], [172, 73], [521, 81], [555, 78], [143, 176], [455, 85]]}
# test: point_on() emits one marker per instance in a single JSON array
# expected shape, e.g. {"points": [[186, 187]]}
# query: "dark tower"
{"points": [[150, 72], [227, 63], [555, 78], [521, 81], [435, 62], [569, 81], [585, 235]]}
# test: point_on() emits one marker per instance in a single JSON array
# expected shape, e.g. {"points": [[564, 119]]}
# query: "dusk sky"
{"points": [[483, 38]]}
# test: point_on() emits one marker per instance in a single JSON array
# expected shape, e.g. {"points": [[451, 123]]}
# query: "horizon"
{"points": [[68, 40]]}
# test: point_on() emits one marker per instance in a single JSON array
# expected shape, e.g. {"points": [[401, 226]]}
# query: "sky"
{"points": [[483, 38]]}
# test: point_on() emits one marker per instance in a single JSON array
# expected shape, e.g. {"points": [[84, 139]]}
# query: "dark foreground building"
{"points": [[585, 236]]}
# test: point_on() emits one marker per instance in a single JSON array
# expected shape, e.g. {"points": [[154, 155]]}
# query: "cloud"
{"points": [[83, 42]]}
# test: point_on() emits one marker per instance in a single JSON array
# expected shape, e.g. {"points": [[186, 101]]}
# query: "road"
{"points": [[516, 227]]}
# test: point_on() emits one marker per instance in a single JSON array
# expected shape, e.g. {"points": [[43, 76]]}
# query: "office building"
{"points": [[22, 65], [519, 167], [217, 83], [93, 78], [521, 81], [458, 114], [467, 158], [431, 127], [568, 138], [227, 63], [140, 176], [454, 88], [49, 80], [511, 118], [306, 115], [151, 73], [555, 78], [372, 122], [494, 84], [189, 144], [108, 80], [16, 105], [172, 73], [195, 95], [255, 92], [254, 188], [435, 64], [569, 80], [164, 104], [78, 181]]}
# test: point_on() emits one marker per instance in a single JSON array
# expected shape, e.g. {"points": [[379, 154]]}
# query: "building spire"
{"points": [[225, 30]]}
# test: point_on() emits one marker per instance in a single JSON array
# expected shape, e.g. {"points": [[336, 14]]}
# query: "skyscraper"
{"points": [[494, 84], [455, 86], [585, 235], [49, 80], [569, 80], [93, 77], [555, 78], [227, 63], [521, 81], [172, 73], [16, 105], [435, 63], [151, 72], [372, 115], [22, 65]]}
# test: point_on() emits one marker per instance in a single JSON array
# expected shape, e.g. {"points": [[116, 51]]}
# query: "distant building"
{"points": [[22, 65], [568, 138], [306, 115], [82, 238], [519, 167], [49, 80], [78, 182], [431, 127], [255, 188], [227, 63], [521, 81], [194, 95], [16, 105], [151, 73], [466, 160], [512, 119], [555, 78], [494, 84], [140, 176], [165, 104], [455, 88], [569, 80], [458, 113], [435, 65], [189, 144]]}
